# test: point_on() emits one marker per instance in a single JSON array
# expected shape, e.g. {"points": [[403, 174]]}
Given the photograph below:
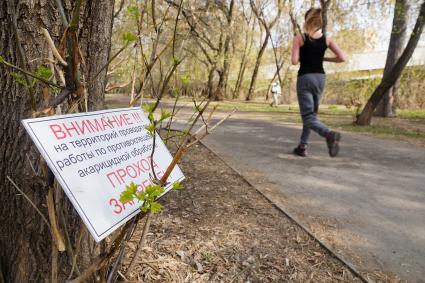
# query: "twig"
{"points": [[207, 132], [133, 78], [54, 265], [152, 153], [57, 236], [175, 27], [119, 9], [207, 121], [237, 274], [168, 127], [58, 99], [111, 277], [30, 201], [53, 47], [31, 165], [111, 59], [140, 244], [183, 146], [62, 13], [102, 259], [31, 74], [122, 275], [77, 250], [60, 73]]}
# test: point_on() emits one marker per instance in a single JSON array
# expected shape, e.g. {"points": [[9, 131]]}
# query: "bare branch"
{"points": [[53, 47], [62, 13], [140, 245], [119, 9], [57, 235]]}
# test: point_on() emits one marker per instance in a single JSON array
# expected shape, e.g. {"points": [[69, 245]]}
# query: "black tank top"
{"points": [[311, 55]]}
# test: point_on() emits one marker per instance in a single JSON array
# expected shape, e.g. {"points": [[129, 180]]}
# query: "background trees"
{"points": [[391, 77]]}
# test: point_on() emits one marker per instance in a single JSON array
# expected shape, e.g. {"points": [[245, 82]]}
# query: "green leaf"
{"points": [[176, 60], [134, 12], [129, 193], [126, 197], [141, 196], [150, 128], [132, 188], [175, 92], [151, 118], [177, 186], [129, 37], [185, 79], [154, 191], [43, 72], [148, 107], [2, 60], [156, 207], [164, 115], [145, 207]]}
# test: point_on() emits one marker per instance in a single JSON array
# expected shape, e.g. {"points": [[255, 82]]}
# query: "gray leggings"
{"points": [[309, 90]]}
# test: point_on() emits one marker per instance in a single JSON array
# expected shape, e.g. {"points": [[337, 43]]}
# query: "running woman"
{"points": [[309, 50]]}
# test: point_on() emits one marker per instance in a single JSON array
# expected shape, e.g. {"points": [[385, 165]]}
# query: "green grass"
{"points": [[411, 114], [383, 131], [286, 108]]}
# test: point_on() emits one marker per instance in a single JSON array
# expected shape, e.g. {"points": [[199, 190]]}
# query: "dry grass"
{"points": [[220, 229]]}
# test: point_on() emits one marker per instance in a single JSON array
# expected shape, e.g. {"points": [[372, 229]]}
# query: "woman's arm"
{"points": [[296, 44], [339, 54]]}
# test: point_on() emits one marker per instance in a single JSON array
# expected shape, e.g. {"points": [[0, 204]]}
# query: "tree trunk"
{"points": [[325, 6], [267, 26], [257, 67], [395, 48], [210, 83], [389, 80], [97, 30], [25, 241], [219, 91], [243, 63], [223, 73], [239, 80]]}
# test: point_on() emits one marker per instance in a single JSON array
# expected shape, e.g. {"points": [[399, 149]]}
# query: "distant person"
{"points": [[276, 93], [309, 49]]}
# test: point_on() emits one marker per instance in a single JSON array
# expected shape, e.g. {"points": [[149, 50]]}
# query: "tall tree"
{"points": [[260, 15], [248, 29], [395, 48], [325, 6], [225, 49], [26, 253], [389, 79]]}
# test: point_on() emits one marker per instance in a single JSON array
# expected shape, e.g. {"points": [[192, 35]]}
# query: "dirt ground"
{"points": [[220, 229]]}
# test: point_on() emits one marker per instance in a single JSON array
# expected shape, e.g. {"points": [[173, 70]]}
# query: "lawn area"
{"points": [[407, 125]]}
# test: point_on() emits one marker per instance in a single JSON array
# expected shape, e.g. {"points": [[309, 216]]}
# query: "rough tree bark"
{"points": [[395, 48], [389, 80], [25, 241]]}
